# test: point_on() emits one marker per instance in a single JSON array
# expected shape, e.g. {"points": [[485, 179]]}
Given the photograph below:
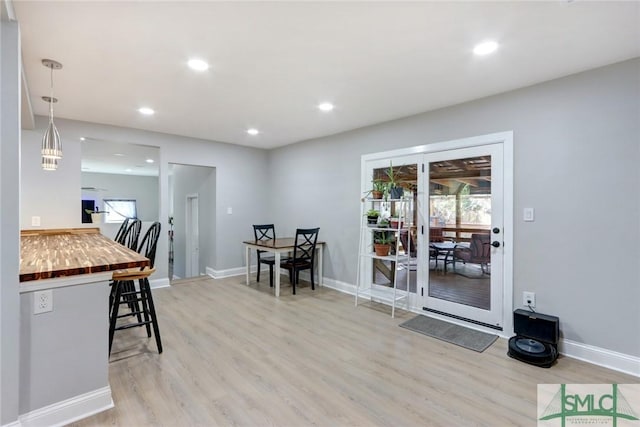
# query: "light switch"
{"points": [[528, 214], [35, 221], [229, 210]]}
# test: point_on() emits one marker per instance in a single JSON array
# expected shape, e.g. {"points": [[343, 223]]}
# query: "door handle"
{"points": [[496, 230], [495, 244]]}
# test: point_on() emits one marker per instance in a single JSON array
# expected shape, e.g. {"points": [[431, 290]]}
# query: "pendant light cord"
{"points": [[51, 97]]}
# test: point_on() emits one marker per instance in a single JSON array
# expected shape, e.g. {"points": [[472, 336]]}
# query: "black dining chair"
{"points": [[304, 256], [264, 232], [124, 292]]}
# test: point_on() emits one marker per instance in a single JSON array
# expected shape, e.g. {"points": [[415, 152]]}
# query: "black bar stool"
{"points": [[121, 231], [124, 292], [128, 236]]}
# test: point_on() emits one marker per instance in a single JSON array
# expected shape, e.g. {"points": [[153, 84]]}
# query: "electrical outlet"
{"points": [[42, 301], [529, 299], [35, 221]]}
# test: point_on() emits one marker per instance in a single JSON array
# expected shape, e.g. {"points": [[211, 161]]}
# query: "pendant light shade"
{"points": [[49, 164], [51, 143]]}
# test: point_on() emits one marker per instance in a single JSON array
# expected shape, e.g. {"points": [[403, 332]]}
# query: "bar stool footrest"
{"points": [[133, 313], [132, 325]]}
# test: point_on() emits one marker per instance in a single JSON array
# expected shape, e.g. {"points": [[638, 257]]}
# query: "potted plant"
{"points": [[395, 223], [382, 241], [379, 188], [372, 216], [377, 192], [395, 190]]}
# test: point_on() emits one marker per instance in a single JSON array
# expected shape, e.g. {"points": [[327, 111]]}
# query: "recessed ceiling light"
{"points": [[253, 131], [127, 170], [82, 138], [146, 111], [198, 64], [149, 160], [326, 106], [485, 48]]}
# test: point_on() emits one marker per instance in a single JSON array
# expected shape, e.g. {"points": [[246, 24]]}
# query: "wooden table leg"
{"points": [[276, 273]]}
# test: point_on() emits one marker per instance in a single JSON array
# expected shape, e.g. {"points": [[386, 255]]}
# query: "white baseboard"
{"points": [[159, 283], [12, 424], [601, 357], [238, 271], [70, 410], [337, 285], [221, 274], [210, 272]]}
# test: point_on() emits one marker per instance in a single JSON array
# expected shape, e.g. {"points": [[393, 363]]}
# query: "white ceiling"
{"points": [[273, 62], [124, 158]]}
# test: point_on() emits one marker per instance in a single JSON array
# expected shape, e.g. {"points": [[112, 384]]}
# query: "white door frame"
{"points": [[506, 140], [192, 229]]}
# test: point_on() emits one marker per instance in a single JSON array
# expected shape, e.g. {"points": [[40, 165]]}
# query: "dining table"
{"points": [[277, 247], [447, 248]]}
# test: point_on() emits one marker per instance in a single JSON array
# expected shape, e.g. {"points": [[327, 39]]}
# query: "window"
{"points": [[118, 210]]}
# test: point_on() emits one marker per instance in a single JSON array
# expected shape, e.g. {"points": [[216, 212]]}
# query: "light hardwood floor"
{"points": [[236, 355]]}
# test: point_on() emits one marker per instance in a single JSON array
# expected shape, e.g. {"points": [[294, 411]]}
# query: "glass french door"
{"points": [[462, 219]]}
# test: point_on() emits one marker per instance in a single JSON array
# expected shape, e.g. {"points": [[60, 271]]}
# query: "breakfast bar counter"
{"points": [[46, 254]]}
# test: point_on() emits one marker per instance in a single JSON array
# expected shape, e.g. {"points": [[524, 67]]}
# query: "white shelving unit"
{"points": [[365, 288]]}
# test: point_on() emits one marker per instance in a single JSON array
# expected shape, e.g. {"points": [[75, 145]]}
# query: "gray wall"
{"points": [[577, 150], [143, 189], [198, 180], [62, 356], [9, 217], [54, 196]]}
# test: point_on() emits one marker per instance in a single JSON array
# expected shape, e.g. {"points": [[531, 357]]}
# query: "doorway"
{"points": [[192, 217], [462, 217]]}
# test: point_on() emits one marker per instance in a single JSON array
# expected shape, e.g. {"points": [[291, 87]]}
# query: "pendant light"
{"points": [[49, 164], [51, 144]]}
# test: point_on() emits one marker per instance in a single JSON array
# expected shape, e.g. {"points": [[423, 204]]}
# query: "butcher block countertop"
{"points": [[45, 254]]}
